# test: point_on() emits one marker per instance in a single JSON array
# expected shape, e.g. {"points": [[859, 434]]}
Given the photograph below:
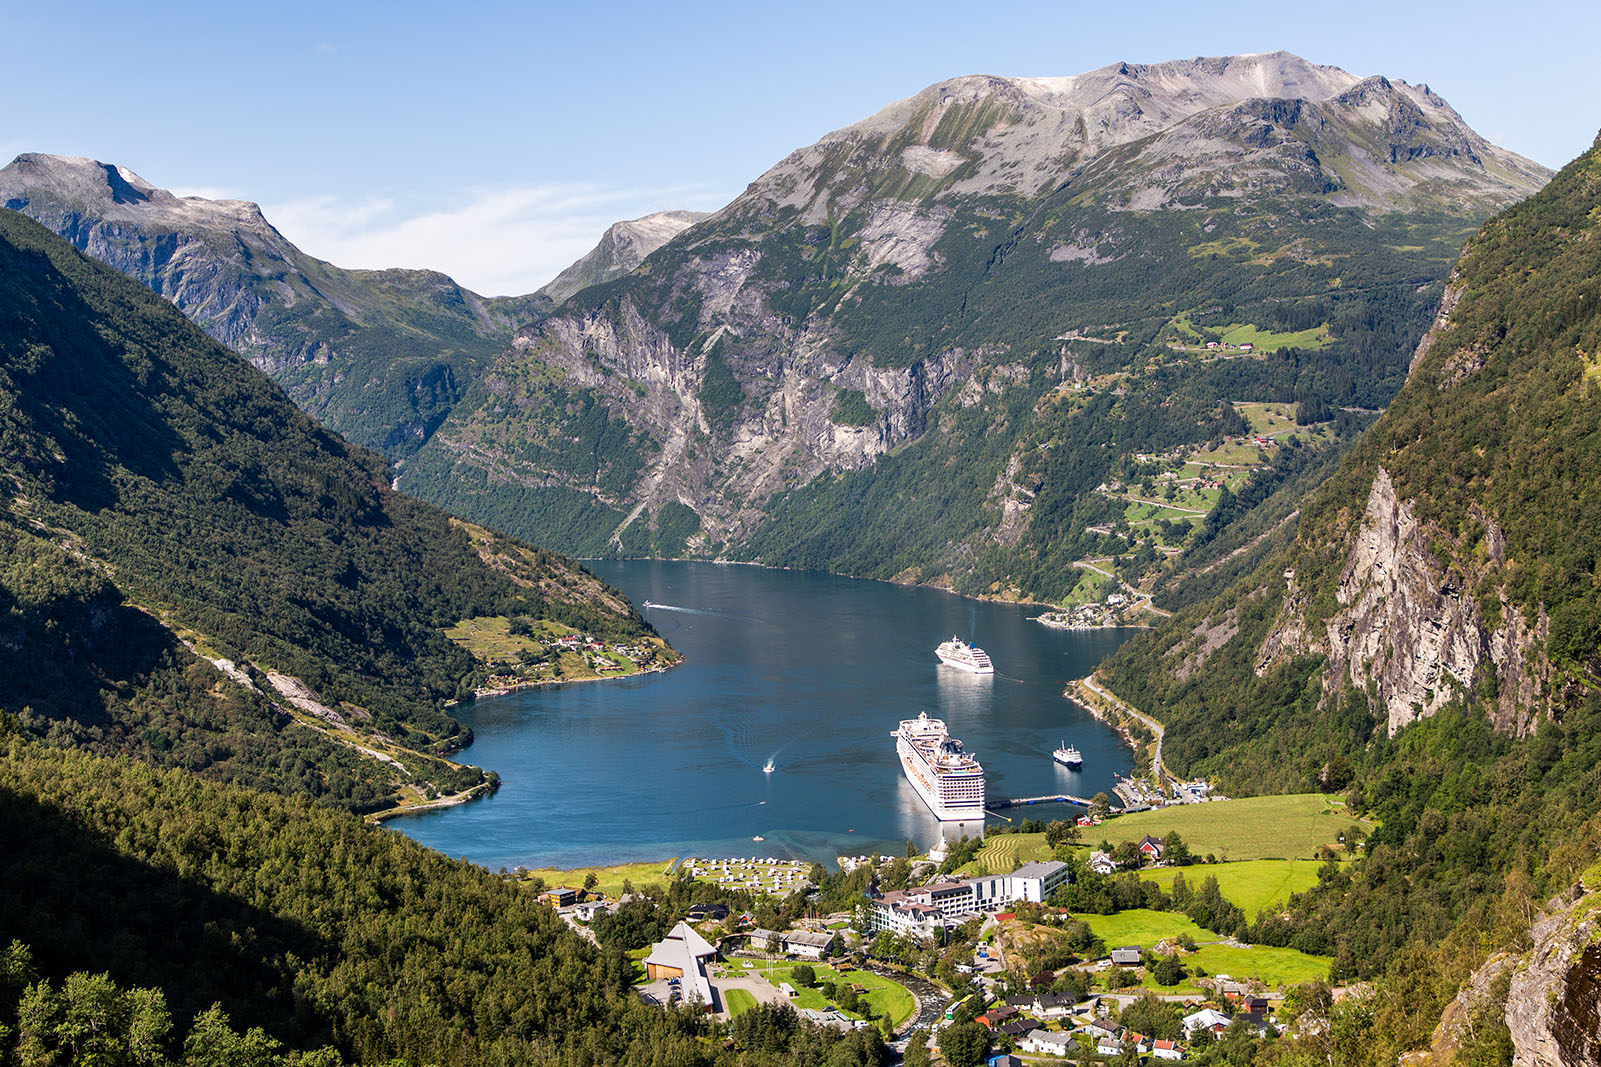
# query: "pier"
{"points": [[1052, 798]]}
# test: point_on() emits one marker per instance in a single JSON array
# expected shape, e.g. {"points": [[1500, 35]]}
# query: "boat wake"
{"points": [[653, 606]]}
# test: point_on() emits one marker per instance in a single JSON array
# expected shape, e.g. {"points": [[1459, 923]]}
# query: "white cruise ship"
{"points": [[950, 781], [958, 653]]}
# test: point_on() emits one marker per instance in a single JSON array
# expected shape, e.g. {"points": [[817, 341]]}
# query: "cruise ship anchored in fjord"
{"points": [[950, 781], [958, 653]]}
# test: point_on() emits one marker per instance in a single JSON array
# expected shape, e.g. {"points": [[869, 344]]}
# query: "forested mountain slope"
{"points": [[379, 356], [160, 498], [1431, 642], [954, 342], [139, 898]]}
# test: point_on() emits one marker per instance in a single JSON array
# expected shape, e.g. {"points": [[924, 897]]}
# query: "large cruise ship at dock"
{"points": [[958, 653], [950, 781]]}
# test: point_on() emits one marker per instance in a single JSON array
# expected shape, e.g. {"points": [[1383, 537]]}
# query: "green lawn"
{"points": [[737, 1002], [1252, 885], [1251, 828], [887, 997], [1273, 966]]}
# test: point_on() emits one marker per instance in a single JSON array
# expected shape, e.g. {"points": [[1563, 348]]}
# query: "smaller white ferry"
{"points": [[963, 656], [1068, 756]]}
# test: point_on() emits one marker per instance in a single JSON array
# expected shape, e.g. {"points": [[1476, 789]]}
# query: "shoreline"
{"points": [[811, 570], [434, 805], [1053, 625], [506, 691]]}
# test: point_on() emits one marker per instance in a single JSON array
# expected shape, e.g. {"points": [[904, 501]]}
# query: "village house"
{"points": [[559, 896], [1205, 1019], [1052, 1005], [1166, 1050], [1101, 863], [587, 911], [1048, 1043], [1151, 848], [1128, 956]]}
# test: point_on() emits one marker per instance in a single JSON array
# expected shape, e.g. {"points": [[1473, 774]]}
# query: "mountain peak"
{"points": [[114, 192], [623, 247], [990, 135]]}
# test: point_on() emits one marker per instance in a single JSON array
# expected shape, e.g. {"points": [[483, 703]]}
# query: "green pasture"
{"points": [[1251, 885], [610, 878], [1294, 826]]}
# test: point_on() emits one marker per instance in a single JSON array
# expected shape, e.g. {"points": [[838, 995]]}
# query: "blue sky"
{"points": [[496, 141]]}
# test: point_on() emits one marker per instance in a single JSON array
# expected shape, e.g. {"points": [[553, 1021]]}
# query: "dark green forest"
{"points": [[154, 917], [161, 497]]}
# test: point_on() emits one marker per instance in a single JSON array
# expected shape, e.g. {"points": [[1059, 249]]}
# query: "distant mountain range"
{"points": [[378, 355], [930, 347], [917, 348]]}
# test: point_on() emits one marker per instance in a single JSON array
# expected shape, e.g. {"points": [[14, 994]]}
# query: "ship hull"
{"points": [[962, 665], [925, 782]]}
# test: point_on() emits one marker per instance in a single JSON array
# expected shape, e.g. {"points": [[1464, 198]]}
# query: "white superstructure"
{"points": [[949, 780], [1068, 756], [960, 654]]}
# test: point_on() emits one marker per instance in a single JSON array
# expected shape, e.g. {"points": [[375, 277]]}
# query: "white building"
{"points": [[919, 912], [1048, 1043], [1206, 1019]]}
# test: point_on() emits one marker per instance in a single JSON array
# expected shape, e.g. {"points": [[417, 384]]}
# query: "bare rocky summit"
{"points": [[937, 254], [623, 247], [379, 355]]}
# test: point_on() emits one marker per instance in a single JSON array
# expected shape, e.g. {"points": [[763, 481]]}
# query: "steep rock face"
{"points": [[623, 247], [1408, 629], [1553, 1005], [1006, 230], [380, 356]]}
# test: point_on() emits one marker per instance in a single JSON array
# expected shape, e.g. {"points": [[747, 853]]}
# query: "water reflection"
{"points": [[808, 671]]}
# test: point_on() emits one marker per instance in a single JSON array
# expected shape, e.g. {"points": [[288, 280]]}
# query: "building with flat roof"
{"points": [[919, 912]]}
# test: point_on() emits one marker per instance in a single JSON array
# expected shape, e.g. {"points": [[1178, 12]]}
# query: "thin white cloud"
{"points": [[325, 48], [496, 242]]}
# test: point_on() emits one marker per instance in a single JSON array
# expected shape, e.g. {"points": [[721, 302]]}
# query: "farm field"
{"points": [[1268, 341], [611, 879], [1289, 827], [1272, 966], [1143, 927], [1251, 828], [1250, 885], [1004, 853]]}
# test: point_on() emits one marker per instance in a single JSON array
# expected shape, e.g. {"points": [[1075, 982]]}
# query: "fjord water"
{"points": [[811, 671]]}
